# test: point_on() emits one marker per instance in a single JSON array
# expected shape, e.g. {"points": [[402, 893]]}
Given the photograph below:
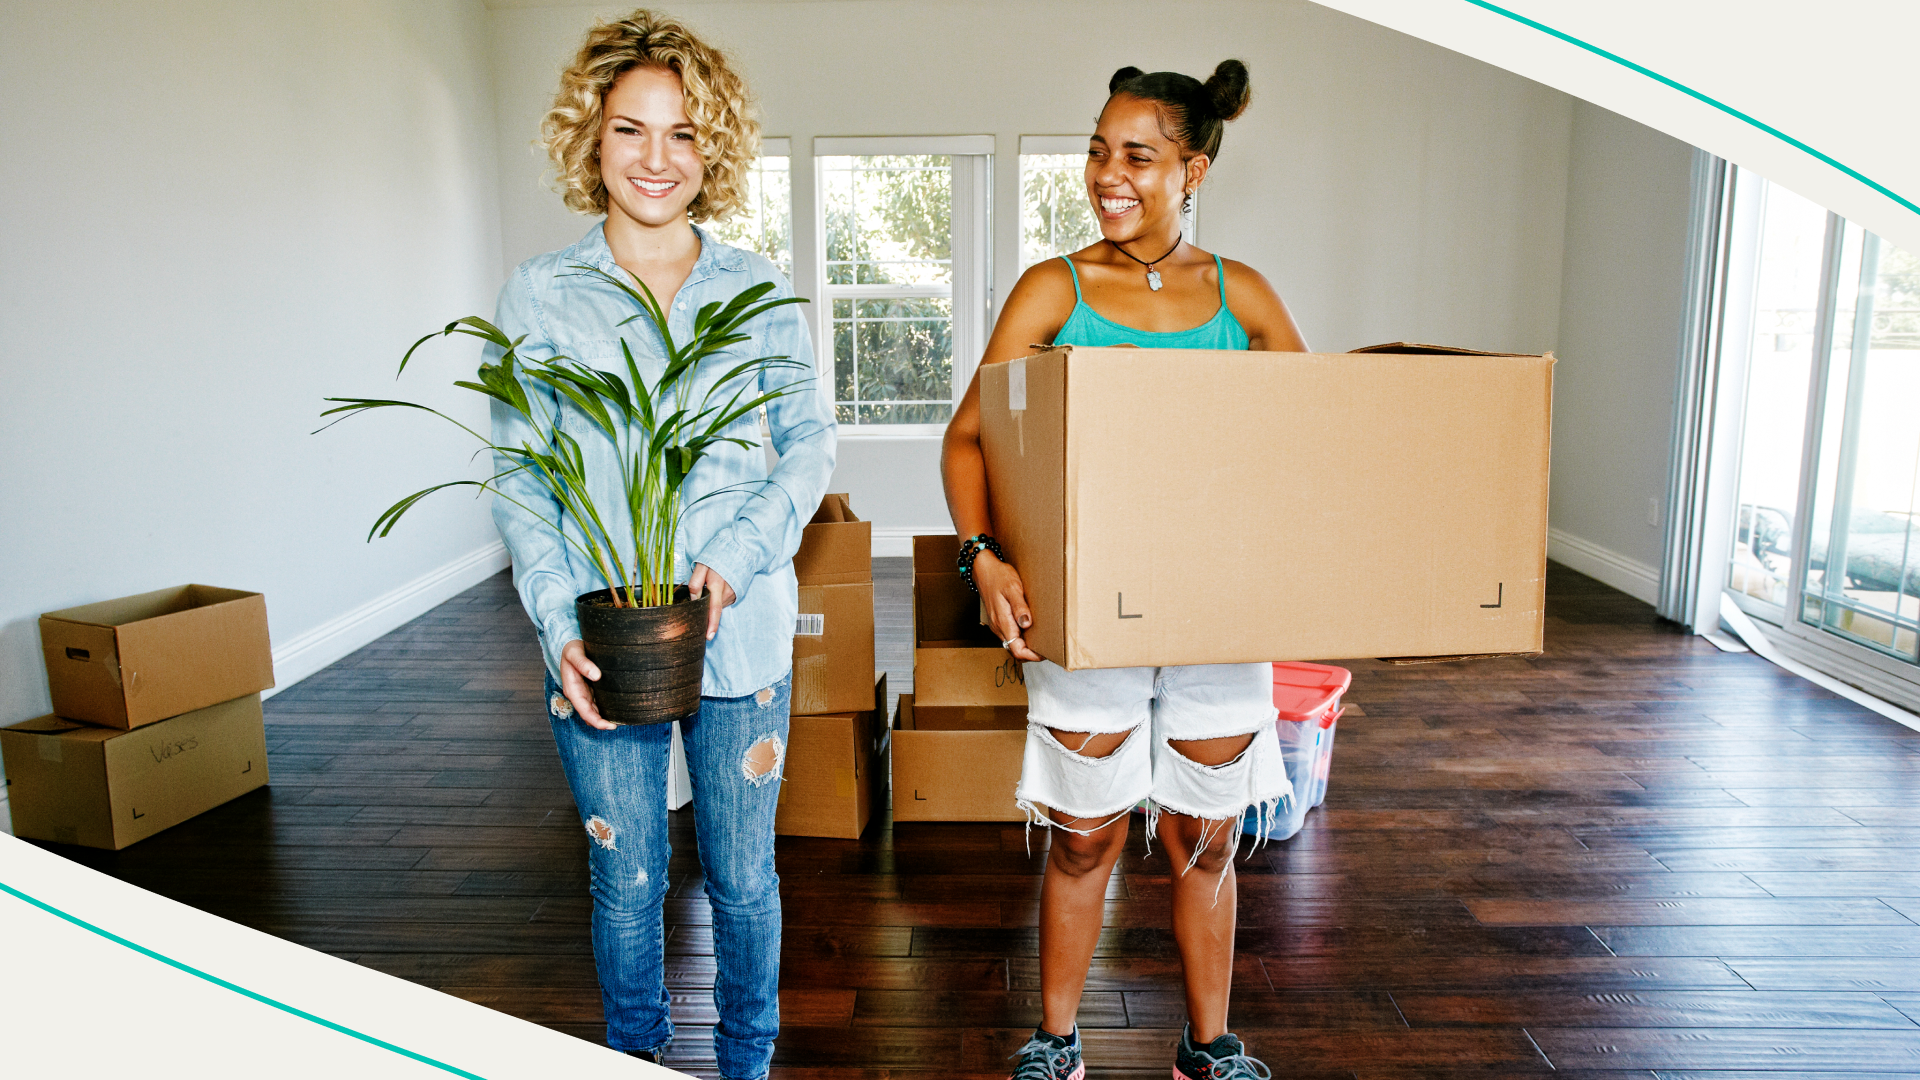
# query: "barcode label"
{"points": [[805, 625]]}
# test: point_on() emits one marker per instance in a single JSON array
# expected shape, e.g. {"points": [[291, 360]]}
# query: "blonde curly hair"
{"points": [[724, 131]]}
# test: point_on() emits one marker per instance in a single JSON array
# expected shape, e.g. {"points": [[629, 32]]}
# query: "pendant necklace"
{"points": [[1153, 275]]}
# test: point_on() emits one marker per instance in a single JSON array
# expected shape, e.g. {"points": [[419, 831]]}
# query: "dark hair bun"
{"points": [[1125, 73], [1227, 89]]}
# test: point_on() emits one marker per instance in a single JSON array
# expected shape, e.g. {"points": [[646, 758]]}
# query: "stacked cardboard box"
{"points": [[957, 738], [156, 716], [836, 744]]}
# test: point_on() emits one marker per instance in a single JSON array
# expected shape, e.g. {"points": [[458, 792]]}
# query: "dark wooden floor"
{"points": [[1633, 856]]}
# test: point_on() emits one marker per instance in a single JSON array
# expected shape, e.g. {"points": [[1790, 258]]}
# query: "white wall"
{"points": [[215, 213], [1628, 194], [1390, 189]]}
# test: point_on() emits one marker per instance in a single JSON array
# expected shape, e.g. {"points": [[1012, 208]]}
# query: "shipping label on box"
{"points": [[833, 649], [835, 772], [942, 774], [836, 548], [956, 660], [139, 659], [1293, 506], [75, 783]]}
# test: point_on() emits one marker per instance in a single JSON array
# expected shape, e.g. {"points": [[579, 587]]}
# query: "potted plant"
{"points": [[643, 630]]}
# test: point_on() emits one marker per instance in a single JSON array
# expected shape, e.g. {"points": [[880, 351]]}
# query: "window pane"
{"points": [[765, 223], [1863, 579], [889, 231], [889, 219], [1055, 215], [893, 353], [1779, 366]]}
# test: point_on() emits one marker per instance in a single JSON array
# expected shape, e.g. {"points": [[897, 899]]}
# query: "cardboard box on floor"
{"points": [[836, 771], [833, 636], [957, 663], [139, 659], [1204, 507], [957, 764], [75, 783]]}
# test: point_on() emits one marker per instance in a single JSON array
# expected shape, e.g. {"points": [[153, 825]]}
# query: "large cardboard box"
{"points": [[1202, 507], [139, 659], [956, 765], [836, 771], [833, 649], [74, 783], [837, 548], [956, 661]]}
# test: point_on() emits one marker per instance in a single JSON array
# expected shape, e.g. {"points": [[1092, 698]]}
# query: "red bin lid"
{"points": [[1302, 692]]}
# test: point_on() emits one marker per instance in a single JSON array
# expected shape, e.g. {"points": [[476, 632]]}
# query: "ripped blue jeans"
{"points": [[619, 783]]}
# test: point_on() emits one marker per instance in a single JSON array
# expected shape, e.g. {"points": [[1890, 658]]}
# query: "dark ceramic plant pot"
{"points": [[650, 658]]}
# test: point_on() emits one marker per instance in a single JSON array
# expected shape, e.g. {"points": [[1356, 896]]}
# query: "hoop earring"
{"points": [[1186, 204]]}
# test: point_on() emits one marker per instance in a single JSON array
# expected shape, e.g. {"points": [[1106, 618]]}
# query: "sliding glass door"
{"points": [[1819, 341], [1862, 578]]}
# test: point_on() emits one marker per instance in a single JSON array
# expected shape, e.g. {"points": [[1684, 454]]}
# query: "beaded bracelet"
{"points": [[970, 549]]}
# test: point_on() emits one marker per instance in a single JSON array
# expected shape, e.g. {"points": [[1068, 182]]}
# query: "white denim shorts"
{"points": [[1160, 706]]}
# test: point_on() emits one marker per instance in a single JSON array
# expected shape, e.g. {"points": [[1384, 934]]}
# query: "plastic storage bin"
{"points": [[1308, 697]]}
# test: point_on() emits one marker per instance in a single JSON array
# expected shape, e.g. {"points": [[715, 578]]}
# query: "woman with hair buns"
{"points": [[1197, 741]]}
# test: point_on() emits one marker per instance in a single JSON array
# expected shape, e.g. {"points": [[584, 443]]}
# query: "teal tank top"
{"points": [[1088, 327]]}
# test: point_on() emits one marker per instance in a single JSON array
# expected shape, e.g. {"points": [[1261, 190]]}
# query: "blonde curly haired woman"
{"points": [[650, 130]]}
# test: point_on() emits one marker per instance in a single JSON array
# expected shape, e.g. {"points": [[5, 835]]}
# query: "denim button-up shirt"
{"points": [[747, 535]]}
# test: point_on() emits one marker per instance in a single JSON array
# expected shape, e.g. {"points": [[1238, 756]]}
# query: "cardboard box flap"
{"points": [[1418, 348], [936, 554], [834, 509], [836, 548], [152, 605], [56, 725]]}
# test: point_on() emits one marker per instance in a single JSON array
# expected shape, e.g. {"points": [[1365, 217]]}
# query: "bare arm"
{"points": [[1264, 316], [1035, 311]]}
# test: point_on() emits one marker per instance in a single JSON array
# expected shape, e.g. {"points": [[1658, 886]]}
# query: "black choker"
{"points": [[1153, 276]]}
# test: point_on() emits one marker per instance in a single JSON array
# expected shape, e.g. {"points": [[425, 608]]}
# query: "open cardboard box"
{"points": [[836, 548], [74, 783], [957, 764], [1206, 507], [132, 661], [836, 771], [957, 662]]}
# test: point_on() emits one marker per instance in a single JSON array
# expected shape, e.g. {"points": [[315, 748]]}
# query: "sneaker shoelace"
{"points": [[1041, 1060], [1240, 1066]]}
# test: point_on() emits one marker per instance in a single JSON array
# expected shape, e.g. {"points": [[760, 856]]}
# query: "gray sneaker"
{"points": [[1047, 1056], [1222, 1059]]}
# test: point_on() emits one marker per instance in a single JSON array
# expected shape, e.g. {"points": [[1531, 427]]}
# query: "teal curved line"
{"points": [[1698, 96], [241, 990]]}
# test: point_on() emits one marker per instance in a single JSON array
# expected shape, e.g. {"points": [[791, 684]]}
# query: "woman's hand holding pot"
{"points": [[1006, 601], [575, 671]]}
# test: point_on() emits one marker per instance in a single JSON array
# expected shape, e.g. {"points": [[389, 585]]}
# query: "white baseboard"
{"points": [[1609, 567], [896, 541], [304, 654]]}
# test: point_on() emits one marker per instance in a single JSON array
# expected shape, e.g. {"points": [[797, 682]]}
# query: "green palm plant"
{"points": [[659, 432]]}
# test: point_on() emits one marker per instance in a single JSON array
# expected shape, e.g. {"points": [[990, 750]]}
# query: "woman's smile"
{"points": [[653, 187], [1115, 207]]}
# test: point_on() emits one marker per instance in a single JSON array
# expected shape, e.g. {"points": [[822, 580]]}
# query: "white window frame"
{"points": [[972, 260]]}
